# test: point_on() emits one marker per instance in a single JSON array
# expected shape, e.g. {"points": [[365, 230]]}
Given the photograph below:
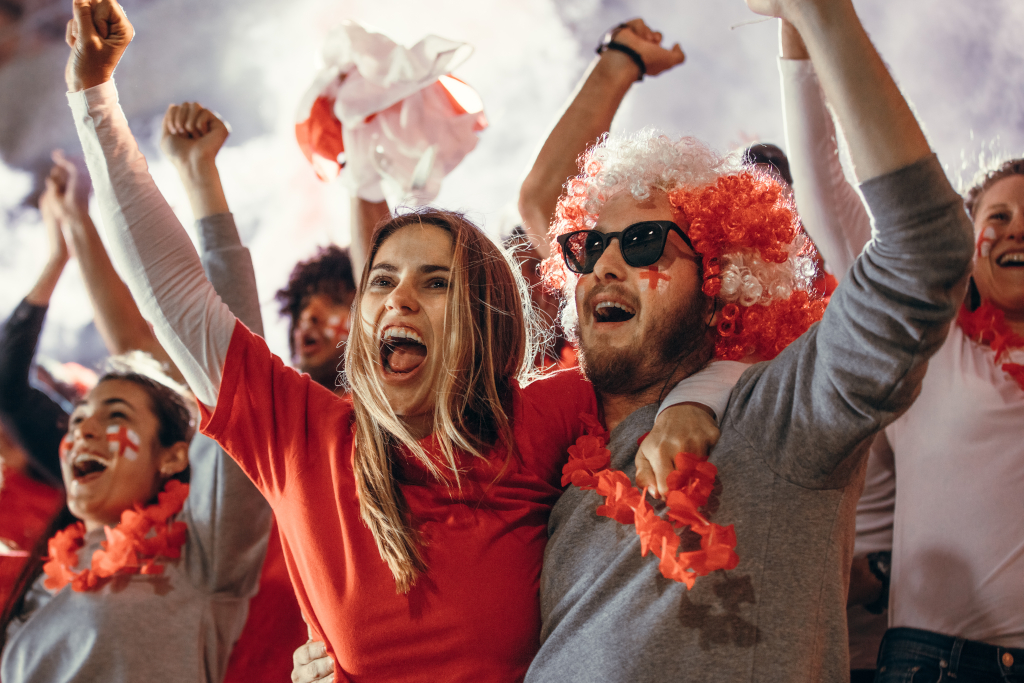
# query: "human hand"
{"points": [[98, 34], [51, 210], [191, 134], [682, 428], [65, 201], [311, 664], [637, 35]]}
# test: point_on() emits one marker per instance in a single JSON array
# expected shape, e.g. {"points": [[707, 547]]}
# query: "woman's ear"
{"points": [[173, 460]]}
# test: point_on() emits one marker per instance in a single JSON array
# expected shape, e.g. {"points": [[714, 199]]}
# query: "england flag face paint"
{"points": [[65, 446], [337, 328], [123, 441], [985, 240]]}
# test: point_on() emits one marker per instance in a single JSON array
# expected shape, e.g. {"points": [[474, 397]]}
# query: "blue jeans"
{"points": [[910, 655]]}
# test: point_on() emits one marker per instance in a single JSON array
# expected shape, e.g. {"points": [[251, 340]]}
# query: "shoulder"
{"points": [[560, 384]]}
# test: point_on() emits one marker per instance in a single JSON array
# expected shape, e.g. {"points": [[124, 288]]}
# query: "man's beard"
{"points": [[678, 342]]}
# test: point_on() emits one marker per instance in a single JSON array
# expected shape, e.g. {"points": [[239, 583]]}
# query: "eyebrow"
{"points": [[1000, 206], [387, 267], [111, 401]]}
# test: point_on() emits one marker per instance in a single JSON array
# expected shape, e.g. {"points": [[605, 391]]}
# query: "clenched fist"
{"points": [[97, 34], [192, 135]]}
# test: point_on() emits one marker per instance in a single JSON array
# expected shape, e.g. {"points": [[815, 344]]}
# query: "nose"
{"points": [[610, 265], [402, 298], [88, 428], [1015, 231], [307, 319]]}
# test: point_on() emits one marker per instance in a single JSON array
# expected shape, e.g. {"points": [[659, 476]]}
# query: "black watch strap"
{"points": [[609, 43]]}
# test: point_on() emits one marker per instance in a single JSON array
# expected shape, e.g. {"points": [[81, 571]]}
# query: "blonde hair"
{"points": [[487, 344]]}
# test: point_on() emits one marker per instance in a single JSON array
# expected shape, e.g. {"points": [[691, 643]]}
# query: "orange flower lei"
{"points": [[129, 548], [589, 468], [987, 325]]}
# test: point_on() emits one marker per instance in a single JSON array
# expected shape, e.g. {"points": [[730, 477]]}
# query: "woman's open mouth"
{"points": [[402, 350], [87, 467]]}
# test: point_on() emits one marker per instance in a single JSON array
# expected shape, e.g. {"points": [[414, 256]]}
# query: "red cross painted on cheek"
{"points": [[653, 277], [65, 447], [123, 441], [337, 328]]}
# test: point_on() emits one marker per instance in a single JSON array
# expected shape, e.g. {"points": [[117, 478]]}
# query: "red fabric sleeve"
{"points": [[266, 415]]}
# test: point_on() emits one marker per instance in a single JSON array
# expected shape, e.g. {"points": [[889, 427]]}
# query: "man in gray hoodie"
{"points": [[794, 435]]}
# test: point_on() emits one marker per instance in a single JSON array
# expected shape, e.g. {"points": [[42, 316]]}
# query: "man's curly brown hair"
{"points": [[328, 272]]}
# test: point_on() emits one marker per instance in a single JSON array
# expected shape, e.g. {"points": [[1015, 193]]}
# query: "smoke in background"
{"points": [[250, 60]]}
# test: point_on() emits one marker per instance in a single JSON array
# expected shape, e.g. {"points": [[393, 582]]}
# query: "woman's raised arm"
{"points": [[156, 256]]}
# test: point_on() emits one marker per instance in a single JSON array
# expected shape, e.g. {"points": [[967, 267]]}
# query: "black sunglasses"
{"points": [[641, 244]]}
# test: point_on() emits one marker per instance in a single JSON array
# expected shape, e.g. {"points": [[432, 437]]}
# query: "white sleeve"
{"points": [[150, 247], [711, 387], [830, 207]]}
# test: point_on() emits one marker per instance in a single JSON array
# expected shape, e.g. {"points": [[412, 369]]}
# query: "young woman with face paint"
{"points": [[129, 559]]}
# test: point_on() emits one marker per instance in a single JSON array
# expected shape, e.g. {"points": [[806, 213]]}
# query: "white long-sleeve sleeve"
{"points": [[831, 209], [150, 246], [711, 387]]}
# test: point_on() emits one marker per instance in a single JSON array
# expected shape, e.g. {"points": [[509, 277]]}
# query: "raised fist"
{"points": [[647, 42], [97, 34], [192, 134]]}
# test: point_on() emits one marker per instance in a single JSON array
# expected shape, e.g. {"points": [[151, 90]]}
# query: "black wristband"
{"points": [[880, 564], [629, 52], [608, 43]]}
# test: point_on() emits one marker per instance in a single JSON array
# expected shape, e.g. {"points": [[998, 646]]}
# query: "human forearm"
{"points": [[366, 216], [203, 187], [161, 266], [228, 265], [41, 292], [588, 115], [882, 132], [118, 319]]}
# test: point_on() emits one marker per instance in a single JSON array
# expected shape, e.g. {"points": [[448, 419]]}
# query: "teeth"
{"points": [[1016, 257], [613, 304], [89, 456], [401, 333], [78, 466]]}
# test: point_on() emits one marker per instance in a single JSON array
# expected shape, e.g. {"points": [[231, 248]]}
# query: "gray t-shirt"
{"points": [[180, 625], [790, 469]]}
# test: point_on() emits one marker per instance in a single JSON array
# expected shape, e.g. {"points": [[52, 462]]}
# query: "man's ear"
{"points": [[173, 460]]}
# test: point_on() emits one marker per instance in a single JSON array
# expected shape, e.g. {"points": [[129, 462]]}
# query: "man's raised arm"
{"points": [[586, 118], [881, 130]]}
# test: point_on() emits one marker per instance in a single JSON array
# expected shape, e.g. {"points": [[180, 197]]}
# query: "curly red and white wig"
{"points": [[755, 258]]}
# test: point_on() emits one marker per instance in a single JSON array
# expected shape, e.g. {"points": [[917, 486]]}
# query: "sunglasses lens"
{"points": [[643, 244], [575, 250]]}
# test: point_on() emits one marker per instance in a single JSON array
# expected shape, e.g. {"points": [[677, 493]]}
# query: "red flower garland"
{"points": [[987, 325], [129, 548], [589, 468]]}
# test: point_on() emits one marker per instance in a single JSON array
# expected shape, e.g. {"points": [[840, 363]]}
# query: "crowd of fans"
{"points": [[699, 417]]}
